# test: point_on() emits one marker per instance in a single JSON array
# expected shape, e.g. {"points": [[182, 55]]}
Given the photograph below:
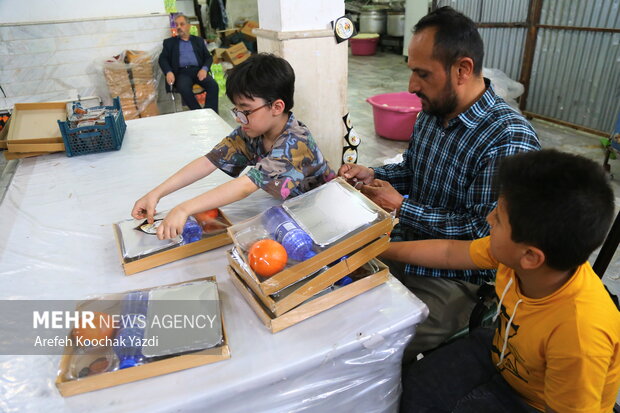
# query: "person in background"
{"points": [[442, 189], [185, 61], [556, 347], [285, 159]]}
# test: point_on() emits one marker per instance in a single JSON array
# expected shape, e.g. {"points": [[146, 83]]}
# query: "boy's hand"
{"points": [[354, 174], [383, 194], [173, 224], [145, 207]]}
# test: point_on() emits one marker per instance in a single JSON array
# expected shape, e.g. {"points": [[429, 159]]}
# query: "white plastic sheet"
{"points": [[57, 242]]}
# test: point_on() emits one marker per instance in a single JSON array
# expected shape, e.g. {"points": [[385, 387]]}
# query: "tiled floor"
{"points": [[387, 72]]}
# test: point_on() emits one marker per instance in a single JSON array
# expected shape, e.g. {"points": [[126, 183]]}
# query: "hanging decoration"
{"points": [[351, 141]]}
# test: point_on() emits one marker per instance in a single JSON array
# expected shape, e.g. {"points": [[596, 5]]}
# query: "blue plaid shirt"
{"points": [[448, 174]]}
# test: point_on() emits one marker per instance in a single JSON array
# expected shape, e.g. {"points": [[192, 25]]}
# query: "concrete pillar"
{"points": [[300, 32]]}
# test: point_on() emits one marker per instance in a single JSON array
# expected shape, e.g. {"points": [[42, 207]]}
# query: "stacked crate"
{"points": [[130, 76]]}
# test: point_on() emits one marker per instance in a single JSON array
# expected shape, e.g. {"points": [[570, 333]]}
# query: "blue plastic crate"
{"points": [[97, 138]]}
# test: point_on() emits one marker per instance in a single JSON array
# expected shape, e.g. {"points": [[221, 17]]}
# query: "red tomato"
{"points": [[104, 327], [267, 257]]}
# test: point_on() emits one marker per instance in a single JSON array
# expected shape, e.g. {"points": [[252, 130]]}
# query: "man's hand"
{"points": [[202, 74], [383, 194], [170, 78], [173, 224], [354, 174], [145, 207]]}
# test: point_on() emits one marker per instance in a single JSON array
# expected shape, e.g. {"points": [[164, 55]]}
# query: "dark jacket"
{"points": [[169, 57]]}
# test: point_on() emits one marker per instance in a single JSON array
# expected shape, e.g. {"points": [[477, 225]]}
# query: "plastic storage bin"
{"points": [[364, 44], [97, 138], [395, 114]]}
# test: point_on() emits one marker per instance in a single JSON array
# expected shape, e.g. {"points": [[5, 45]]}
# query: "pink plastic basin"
{"points": [[364, 47], [395, 114]]}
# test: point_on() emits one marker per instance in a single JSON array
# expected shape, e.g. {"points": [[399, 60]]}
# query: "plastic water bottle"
{"points": [[284, 229], [131, 330], [192, 231]]}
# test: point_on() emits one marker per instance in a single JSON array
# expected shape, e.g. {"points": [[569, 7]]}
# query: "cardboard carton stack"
{"points": [[144, 84], [130, 76]]}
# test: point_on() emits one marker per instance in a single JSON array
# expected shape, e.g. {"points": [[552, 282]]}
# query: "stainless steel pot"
{"points": [[396, 23], [372, 21]]}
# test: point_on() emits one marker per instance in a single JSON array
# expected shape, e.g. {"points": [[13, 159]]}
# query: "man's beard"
{"points": [[443, 105]]}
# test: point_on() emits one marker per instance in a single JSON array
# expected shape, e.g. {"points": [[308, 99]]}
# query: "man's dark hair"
{"points": [[558, 202], [456, 37], [264, 76]]}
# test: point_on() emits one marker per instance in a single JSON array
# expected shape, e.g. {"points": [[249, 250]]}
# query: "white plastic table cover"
{"points": [[56, 242]]}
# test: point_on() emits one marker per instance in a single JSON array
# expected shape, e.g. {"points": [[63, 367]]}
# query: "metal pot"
{"points": [[372, 21], [396, 23]]}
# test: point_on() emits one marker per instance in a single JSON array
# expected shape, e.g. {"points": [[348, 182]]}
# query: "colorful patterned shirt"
{"points": [[294, 165], [448, 173]]}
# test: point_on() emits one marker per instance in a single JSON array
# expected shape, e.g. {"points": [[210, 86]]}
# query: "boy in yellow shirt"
{"points": [[557, 344]]}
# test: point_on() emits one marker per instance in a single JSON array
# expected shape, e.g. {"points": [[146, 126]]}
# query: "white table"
{"points": [[56, 242]]}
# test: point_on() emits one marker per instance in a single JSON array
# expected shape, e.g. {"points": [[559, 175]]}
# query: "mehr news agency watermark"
{"points": [[62, 320]]}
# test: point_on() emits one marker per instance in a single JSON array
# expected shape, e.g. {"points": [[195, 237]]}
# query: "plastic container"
{"points": [[284, 229], [97, 138], [364, 44], [192, 231], [395, 114], [132, 327]]}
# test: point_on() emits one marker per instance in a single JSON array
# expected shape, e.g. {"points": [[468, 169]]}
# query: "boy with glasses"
{"points": [[285, 158]]}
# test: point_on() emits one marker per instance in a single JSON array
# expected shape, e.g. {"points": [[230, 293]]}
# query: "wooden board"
{"points": [[156, 368], [311, 308], [317, 284]]}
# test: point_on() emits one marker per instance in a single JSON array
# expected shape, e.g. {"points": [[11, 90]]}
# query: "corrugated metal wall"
{"points": [[576, 73], [503, 47], [576, 77]]}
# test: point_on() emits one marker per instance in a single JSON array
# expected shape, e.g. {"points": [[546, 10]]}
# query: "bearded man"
{"points": [[443, 188]]}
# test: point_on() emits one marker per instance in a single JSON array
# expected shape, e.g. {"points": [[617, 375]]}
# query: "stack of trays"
{"points": [[348, 231], [34, 129]]}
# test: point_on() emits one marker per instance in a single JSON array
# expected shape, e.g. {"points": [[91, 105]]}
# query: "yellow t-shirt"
{"points": [[563, 350]]}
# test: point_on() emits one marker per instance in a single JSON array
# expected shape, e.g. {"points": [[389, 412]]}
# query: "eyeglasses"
{"points": [[242, 115]]}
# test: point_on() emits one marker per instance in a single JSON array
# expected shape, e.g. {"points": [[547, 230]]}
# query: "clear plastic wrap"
{"points": [[504, 86], [57, 243], [134, 76], [138, 239], [142, 327], [315, 214]]}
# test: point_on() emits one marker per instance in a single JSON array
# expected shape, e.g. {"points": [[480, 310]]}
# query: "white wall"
{"points": [[54, 61], [284, 15], [21, 11], [237, 9]]}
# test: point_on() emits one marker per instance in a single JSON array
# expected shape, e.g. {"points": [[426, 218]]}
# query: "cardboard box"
{"points": [[117, 78], [130, 110], [345, 245], [155, 368], [311, 307], [34, 127], [309, 287], [150, 110], [247, 30], [174, 254], [236, 54], [218, 55], [144, 93]]}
